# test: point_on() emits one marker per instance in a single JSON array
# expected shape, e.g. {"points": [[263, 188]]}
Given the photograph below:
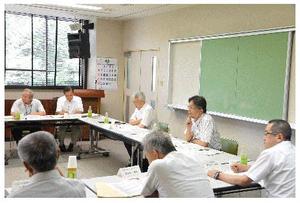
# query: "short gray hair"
{"points": [[39, 150], [29, 91], [139, 95], [159, 141]]}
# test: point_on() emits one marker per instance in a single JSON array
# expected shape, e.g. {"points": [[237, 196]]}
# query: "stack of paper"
{"points": [[33, 117], [125, 188], [107, 190]]}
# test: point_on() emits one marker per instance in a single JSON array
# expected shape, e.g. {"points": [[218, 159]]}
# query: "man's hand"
{"points": [[62, 112], [238, 168], [188, 123], [38, 113], [211, 173], [188, 133], [141, 125], [77, 111], [135, 121]]}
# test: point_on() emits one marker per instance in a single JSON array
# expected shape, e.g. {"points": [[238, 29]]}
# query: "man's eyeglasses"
{"points": [[192, 107], [269, 133]]}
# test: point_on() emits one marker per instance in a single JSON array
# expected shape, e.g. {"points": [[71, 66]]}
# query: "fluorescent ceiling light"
{"points": [[81, 6]]}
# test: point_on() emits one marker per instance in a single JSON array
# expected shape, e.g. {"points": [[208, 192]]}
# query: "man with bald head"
{"points": [[26, 105]]}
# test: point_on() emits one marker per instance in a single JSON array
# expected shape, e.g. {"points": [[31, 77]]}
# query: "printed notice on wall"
{"points": [[106, 74]]}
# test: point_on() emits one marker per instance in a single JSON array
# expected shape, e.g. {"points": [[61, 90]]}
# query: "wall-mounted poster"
{"points": [[106, 74]]}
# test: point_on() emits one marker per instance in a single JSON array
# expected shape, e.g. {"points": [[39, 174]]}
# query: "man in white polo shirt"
{"points": [[172, 173], [26, 105], [142, 117], [275, 165], [69, 104], [143, 113]]}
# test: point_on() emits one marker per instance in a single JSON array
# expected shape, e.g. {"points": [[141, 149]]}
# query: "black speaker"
{"points": [[79, 45]]}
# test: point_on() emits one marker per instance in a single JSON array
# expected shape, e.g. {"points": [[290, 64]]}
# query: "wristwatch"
{"points": [[216, 175], [192, 139]]}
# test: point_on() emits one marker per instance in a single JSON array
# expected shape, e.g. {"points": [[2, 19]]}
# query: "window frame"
{"points": [[82, 70]]}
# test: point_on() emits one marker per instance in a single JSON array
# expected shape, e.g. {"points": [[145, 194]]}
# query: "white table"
{"points": [[134, 135], [211, 158], [89, 193], [119, 131]]}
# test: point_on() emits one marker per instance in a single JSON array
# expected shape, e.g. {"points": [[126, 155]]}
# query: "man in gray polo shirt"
{"points": [[39, 154], [26, 105]]}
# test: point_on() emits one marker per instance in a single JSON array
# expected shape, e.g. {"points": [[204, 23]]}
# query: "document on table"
{"points": [[123, 188], [129, 131], [182, 145], [53, 116], [108, 190], [8, 117], [32, 117]]}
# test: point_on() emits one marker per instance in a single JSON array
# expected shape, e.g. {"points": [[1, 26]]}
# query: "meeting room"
{"points": [[149, 100]]}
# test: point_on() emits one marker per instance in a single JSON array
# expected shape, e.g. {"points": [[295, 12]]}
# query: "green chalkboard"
{"points": [[244, 76]]}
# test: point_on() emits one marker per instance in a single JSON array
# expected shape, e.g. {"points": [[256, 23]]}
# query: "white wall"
{"points": [[155, 31], [109, 43], [112, 38]]}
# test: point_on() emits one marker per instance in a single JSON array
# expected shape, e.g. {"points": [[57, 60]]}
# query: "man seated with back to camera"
{"points": [[39, 154], [172, 173]]}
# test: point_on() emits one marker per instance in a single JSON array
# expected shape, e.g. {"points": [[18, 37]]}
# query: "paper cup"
{"points": [[72, 163]]}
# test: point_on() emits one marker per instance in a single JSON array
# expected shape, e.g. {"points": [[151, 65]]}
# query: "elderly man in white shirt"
{"points": [[39, 154], [172, 173], [142, 117], [68, 104], [200, 127], [143, 113], [275, 165], [26, 105]]}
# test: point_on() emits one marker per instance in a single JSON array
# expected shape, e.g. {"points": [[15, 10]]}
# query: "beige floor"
{"points": [[88, 166]]}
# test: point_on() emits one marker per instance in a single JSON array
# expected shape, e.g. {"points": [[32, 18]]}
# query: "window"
{"points": [[36, 52]]}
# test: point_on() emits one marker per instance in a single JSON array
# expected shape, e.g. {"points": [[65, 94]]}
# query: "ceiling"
{"points": [[108, 11]]}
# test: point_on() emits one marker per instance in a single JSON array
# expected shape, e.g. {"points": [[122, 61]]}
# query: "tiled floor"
{"points": [[90, 166]]}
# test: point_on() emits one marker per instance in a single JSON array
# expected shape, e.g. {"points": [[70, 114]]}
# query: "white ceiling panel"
{"points": [[108, 11]]}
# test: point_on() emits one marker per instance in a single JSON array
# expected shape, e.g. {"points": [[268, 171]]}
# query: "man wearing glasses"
{"points": [[200, 126], [68, 104], [26, 105], [275, 165]]}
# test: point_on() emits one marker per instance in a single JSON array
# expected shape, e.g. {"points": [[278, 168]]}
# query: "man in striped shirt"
{"points": [[200, 127]]}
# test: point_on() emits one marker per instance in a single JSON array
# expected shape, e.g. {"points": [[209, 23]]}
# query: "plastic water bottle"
{"points": [[17, 116], [72, 167], [244, 156], [90, 112], [106, 120]]}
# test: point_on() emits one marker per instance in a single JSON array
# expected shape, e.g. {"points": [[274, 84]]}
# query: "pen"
{"points": [[103, 122]]}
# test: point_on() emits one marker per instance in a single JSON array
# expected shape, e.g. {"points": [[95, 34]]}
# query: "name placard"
{"points": [[133, 172]]}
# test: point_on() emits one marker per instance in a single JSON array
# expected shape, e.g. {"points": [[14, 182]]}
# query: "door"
{"points": [[140, 75]]}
